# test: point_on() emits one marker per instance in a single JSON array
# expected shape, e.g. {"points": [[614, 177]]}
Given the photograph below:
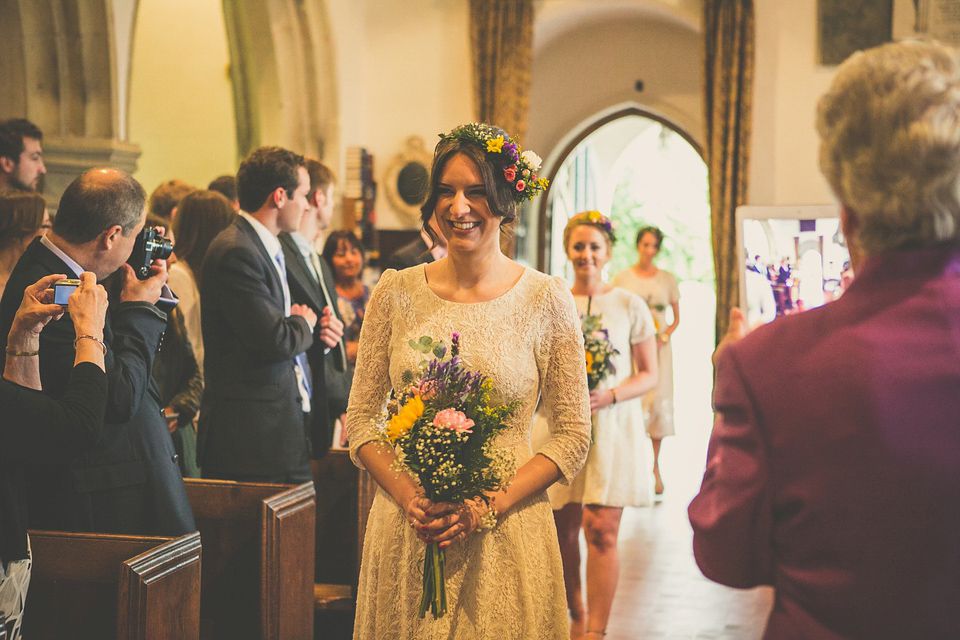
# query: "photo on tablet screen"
{"points": [[792, 258]]}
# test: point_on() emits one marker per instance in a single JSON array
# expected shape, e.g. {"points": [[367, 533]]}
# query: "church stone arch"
{"points": [[283, 74]]}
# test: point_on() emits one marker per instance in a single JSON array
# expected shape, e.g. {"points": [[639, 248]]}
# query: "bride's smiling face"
{"points": [[463, 212]]}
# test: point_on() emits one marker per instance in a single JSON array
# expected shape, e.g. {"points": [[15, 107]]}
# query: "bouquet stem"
{"points": [[434, 595]]}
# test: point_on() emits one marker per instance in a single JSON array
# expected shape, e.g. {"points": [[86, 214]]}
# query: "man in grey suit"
{"points": [[257, 381], [311, 283]]}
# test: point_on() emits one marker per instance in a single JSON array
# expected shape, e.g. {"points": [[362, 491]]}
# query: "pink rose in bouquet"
{"points": [[453, 419]]}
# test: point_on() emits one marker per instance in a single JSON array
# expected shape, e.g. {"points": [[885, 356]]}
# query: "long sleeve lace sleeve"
{"points": [[563, 379], [371, 380]]}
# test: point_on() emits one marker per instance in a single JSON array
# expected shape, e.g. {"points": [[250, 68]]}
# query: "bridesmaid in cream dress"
{"points": [[615, 475], [520, 328], [659, 289]]}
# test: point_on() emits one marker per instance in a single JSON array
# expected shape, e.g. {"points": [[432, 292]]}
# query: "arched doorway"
{"points": [[641, 169]]}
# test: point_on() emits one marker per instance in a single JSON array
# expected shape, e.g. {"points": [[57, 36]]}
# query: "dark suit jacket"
{"points": [[305, 290], [251, 417], [32, 424], [129, 482], [410, 255], [833, 472]]}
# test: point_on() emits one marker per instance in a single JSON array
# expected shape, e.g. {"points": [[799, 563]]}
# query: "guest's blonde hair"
{"points": [[890, 144]]}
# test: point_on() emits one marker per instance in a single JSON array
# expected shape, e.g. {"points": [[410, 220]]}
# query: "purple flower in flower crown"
{"points": [[510, 148], [521, 185], [510, 173]]}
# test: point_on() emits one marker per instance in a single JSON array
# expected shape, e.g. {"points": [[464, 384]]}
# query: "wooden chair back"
{"points": [[92, 585], [258, 556]]}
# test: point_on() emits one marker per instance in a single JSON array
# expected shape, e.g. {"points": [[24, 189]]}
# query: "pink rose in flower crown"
{"points": [[510, 173], [521, 185], [453, 420]]}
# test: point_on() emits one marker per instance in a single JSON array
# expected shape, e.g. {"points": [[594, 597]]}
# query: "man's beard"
{"points": [[16, 183]]}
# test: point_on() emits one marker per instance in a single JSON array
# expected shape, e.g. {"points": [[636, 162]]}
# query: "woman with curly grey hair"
{"points": [[833, 465]]}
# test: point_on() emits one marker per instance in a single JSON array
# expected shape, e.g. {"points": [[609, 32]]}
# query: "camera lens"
{"points": [[160, 248]]}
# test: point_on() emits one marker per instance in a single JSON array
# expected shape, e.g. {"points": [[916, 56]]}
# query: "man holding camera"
{"points": [[257, 379], [129, 482]]}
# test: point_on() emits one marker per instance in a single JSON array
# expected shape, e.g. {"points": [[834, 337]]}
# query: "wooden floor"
{"points": [[662, 594]]}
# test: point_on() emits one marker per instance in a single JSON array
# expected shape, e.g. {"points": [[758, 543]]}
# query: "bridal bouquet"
{"points": [[442, 423], [597, 347]]}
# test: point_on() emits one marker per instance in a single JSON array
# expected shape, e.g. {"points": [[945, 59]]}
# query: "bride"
{"points": [[520, 328]]}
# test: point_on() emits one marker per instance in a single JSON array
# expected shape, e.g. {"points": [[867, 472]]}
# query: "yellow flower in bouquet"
{"points": [[598, 349], [402, 422]]}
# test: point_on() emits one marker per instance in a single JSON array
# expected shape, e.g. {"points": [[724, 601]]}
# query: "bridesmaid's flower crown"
{"points": [[519, 169], [594, 219]]}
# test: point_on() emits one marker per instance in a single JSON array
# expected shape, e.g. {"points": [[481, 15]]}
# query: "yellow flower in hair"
{"points": [[403, 421], [495, 145]]}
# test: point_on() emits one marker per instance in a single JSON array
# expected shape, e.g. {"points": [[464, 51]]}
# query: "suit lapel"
{"points": [[298, 270], [341, 360]]}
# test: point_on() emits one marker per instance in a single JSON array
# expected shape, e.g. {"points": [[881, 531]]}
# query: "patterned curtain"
{"points": [[728, 97], [501, 37]]}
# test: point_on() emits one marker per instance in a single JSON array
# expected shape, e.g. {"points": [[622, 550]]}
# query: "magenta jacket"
{"points": [[833, 472]]}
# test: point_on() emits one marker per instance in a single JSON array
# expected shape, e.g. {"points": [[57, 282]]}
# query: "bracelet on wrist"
{"points": [[15, 352], [614, 392], [89, 337]]}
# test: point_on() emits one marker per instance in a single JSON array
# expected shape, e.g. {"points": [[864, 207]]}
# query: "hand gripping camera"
{"points": [[149, 246]]}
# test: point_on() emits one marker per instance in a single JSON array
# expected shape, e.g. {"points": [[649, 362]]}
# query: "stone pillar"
{"points": [[68, 157]]}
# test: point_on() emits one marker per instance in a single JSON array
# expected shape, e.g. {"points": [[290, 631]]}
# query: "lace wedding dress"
{"points": [[507, 582]]}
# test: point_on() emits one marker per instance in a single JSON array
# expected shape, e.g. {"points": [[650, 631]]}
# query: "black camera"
{"points": [[149, 246]]}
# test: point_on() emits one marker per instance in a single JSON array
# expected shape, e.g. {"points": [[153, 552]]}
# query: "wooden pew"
{"points": [[91, 585], [258, 542], [344, 496]]}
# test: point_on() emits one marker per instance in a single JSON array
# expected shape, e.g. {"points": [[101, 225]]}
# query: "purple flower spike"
{"points": [[511, 149]]}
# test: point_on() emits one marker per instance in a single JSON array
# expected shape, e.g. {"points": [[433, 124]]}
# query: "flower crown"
{"points": [[594, 219], [519, 169]]}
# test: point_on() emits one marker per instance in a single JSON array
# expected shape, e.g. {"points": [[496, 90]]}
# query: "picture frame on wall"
{"points": [[845, 26]]}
